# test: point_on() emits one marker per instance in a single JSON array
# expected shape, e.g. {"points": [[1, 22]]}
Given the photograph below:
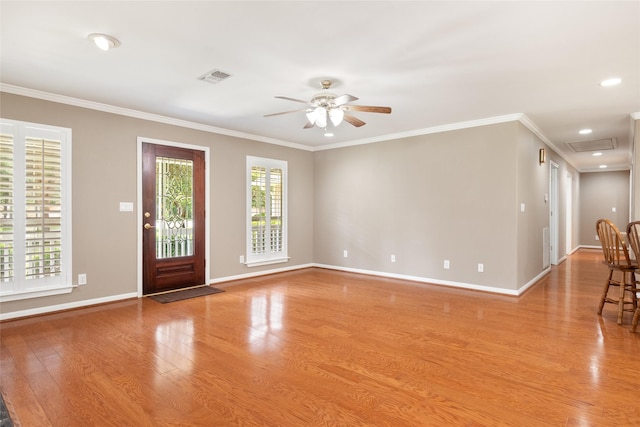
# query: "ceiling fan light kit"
{"points": [[325, 107]]}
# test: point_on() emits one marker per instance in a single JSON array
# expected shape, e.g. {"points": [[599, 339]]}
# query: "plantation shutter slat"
{"points": [[43, 231], [6, 208]]}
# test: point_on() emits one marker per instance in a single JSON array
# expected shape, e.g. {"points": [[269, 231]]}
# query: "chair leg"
{"points": [[623, 285], [636, 289], [605, 292], [636, 317]]}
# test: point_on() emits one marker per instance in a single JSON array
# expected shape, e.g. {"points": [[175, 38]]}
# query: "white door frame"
{"points": [[139, 222], [553, 213], [568, 222]]}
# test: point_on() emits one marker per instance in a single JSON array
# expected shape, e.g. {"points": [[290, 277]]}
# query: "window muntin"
{"points": [[35, 242], [266, 206]]}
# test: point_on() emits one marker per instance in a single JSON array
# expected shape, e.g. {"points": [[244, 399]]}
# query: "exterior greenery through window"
{"points": [[35, 255], [267, 211]]}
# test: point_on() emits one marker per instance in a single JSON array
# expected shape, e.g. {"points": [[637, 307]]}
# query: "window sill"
{"points": [[267, 262], [34, 293]]}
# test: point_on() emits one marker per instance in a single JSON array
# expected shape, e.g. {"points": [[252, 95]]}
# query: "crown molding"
{"points": [[77, 102], [425, 131]]}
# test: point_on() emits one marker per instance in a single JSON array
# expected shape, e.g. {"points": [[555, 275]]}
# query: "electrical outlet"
{"points": [[241, 259], [480, 268], [393, 258], [82, 279], [346, 253], [446, 264], [597, 238]]}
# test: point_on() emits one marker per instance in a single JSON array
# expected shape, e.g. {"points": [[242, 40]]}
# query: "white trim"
{"points": [[67, 306], [589, 247], [426, 131], [267, 262], [533, 281], [522, 118], [207, 201], [47, 96], [35, 293], [229, 281], [422, 280], [259, 273]]}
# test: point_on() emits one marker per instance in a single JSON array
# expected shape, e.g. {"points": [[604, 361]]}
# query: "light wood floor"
{"points": [[324, 348]]}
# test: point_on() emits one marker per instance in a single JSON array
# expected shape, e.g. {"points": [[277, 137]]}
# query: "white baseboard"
{"points": [[259, 273], [220, 280], [67, 306], [427, 280], [418, 279], [589, 247]]}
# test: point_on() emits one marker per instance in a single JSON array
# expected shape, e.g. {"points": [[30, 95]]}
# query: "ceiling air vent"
{"points": [[215, 76], [593, 145]]}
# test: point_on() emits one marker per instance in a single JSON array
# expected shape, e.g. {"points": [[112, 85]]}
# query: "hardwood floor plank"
{"points": [[318, 347]]}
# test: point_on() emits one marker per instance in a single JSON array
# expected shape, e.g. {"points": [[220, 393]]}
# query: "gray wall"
{"points": [[104, 174], [453, 195], [600, 192]]}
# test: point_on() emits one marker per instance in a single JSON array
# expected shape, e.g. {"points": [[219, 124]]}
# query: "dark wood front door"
{"points": [[173, 203]]}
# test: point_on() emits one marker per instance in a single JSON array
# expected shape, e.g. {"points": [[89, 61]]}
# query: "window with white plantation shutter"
{"points": [[266, 211], [35, 235]]}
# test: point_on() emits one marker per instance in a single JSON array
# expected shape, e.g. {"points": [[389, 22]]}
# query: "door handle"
{"points": [[148, 226]]}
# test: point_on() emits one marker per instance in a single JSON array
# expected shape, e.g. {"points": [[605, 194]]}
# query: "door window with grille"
{"points": [[266, 211], [174, 207], [35, 251]]}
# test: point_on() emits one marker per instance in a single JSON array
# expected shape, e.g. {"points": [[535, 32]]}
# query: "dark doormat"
{"points": [[186, 294]]}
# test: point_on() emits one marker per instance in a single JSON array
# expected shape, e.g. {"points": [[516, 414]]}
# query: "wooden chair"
{"points": [[633, 234], [616, 256]]}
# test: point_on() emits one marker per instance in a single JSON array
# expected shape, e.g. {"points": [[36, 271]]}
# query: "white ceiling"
{"points": [[437, 64]]}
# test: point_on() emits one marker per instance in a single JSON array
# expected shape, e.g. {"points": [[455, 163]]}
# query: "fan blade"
{"points": [[343, 99], [353, 120], [309, 125], [292, 99], [285, 112], [368, 109]]}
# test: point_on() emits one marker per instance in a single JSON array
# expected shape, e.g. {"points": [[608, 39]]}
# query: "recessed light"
{"points": [[611, 82], [596, 154], [104, 41], [585, 131], [603, 166], [328, 134]]}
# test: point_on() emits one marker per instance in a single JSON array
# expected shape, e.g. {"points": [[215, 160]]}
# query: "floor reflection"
{"points": [[266, 318], [174, 343]]}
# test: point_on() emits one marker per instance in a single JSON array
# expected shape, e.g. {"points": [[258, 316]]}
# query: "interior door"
{"points": [[173, 203]]}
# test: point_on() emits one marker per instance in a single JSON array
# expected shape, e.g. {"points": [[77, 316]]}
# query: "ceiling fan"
{"points": [[325, 107]]}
